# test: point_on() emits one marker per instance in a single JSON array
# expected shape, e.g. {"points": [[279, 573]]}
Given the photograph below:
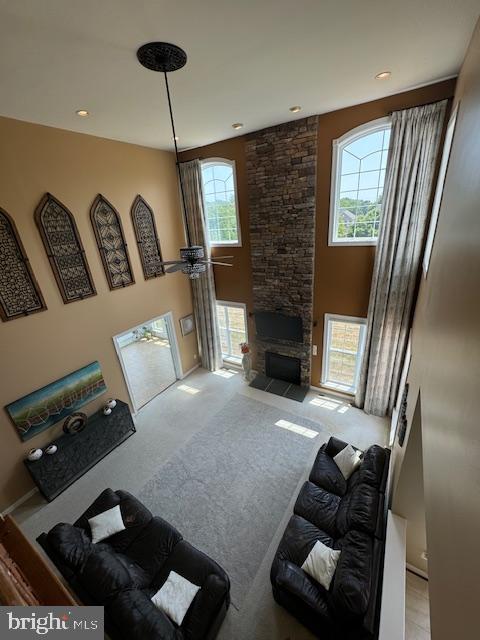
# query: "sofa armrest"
{"points": [[296, 581], [205, 607]]}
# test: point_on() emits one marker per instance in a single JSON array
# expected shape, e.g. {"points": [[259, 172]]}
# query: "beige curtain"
{"points": [[204, 300], [411, 166]]}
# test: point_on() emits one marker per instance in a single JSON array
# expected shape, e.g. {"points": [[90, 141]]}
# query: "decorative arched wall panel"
{"points": [[20, 294], [111, 243], [64, 249], [147, 238]]}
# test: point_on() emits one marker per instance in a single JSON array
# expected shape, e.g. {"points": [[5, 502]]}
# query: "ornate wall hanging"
{"points": [[20, 294], [64, 249], [111, 243], [147, 239]]}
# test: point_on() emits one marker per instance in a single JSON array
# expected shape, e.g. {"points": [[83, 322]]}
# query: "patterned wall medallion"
{"points": [[64, 249], [111, 243], [147, 239], [20, 294]]}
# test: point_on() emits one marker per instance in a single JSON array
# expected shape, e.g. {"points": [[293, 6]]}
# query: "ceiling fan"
{"points": [[165, 57]]}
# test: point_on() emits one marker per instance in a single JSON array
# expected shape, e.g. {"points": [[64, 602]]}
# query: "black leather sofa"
{"points": [[346, 515], [123, 572]]}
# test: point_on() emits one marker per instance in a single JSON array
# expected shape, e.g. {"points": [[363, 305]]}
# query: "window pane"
{"points": [[219, 202], [343, 353], [232, 330], [360, 187]]}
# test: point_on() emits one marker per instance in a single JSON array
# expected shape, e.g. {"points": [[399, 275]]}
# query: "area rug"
{"points": [[228, 488]]}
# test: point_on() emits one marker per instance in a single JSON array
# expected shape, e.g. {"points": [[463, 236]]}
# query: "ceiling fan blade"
{"points": [[222, 257], [176, 267], [165, 262], [223, 264]]}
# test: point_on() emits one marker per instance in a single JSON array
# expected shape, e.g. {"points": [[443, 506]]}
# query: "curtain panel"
{"points": [[415, 142], [203, 288]]}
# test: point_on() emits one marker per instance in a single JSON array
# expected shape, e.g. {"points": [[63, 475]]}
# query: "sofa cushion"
{"points": [[298, 540], [135, 615], [104, 575], [135, 517], [358, 510], [198, 568], [153, 545], [175, 596], [106, 524], [327, 475], [318, 506], [350, 590], [347, 460], [321, 563], [71, 545], [371, 468]]}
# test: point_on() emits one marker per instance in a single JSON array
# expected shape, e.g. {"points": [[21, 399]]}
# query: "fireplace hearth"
{"points": [[282, 377]]}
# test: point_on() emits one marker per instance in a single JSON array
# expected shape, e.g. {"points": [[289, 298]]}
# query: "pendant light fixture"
{"points": [[164, 57]]}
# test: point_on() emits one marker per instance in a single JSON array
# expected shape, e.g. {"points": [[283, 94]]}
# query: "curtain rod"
{"points": [[424, 104]]}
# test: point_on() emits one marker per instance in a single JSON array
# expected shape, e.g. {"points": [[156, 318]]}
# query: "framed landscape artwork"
{"points": [[43, 408]]}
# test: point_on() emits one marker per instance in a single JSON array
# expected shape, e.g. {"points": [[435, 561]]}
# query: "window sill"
{"points": [[214, 245], [352, 243], [340, 388]]}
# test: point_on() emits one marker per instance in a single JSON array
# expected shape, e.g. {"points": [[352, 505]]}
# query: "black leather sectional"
{"points": [[346, 515], [126, 570]]}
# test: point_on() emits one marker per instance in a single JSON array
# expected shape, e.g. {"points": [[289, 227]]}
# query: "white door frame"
{"points": [[174, 350]]}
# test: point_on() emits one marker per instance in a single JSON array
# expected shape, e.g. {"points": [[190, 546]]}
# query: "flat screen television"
{"points": [[277, 326]]}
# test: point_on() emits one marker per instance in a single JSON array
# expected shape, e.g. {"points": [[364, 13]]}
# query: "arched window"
{"points": [[220, 202], [359, 161]]}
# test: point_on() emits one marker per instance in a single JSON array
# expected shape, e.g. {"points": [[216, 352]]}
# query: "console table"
{"points": [[79, 452]]}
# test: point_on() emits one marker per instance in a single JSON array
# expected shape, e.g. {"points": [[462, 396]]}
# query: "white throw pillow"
{"points": [[175, 597], [106, 524], [321, 563], [347, 460]]}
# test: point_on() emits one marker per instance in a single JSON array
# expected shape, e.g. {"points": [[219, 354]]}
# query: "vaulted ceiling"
{"points": [[249, 60]]}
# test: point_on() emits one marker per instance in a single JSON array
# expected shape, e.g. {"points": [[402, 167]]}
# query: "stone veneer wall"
{"points": [[281, 174]]}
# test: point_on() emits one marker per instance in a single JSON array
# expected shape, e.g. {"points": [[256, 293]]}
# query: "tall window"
{"points": [[220, 202], [358, 175], [343, 344], [232, 321]]}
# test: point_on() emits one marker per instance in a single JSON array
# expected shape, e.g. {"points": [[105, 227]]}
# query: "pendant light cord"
{"points": [[177, 162]]}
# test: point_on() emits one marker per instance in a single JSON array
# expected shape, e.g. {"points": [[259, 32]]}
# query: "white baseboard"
{"points": [[419, 572], [20, 501], [187, 373]]}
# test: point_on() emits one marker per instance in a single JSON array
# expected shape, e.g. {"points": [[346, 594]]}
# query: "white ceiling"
{"points": [[249, 61]]}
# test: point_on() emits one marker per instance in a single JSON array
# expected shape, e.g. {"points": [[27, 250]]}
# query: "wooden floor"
{"points": [[417, 613]]}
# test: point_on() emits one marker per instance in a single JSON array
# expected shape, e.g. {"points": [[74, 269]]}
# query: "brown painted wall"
{"points": [[45, 346], [342, 274], [445, 374]]}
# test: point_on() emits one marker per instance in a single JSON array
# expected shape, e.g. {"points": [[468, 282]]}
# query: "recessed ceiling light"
{"points": [[237, 125], [83, 113], [383, 75], [295, 109]]}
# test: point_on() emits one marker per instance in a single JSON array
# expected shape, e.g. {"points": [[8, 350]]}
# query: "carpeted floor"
{"points": [[232, 483]]}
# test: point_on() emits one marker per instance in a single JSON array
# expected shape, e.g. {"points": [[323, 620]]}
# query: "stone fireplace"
{"points": [[281, 174]]}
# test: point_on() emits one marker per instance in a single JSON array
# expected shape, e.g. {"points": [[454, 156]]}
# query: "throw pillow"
{"points": [[347, 460], [107, 523], [175, 597], [321, 563]]}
